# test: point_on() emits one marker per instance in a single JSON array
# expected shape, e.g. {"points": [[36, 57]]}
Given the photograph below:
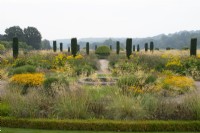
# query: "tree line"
{"points": [[30, 35]]}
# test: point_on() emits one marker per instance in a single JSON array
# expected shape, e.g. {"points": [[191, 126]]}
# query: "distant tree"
{"points": [[33, 37], [133, 48], [15, 47], [87, 48], [128, 47], [14, 31], [45, 44], [146, 47], [2, 37], [193, 47], [111, 47], [61, 47], [151, 46], [74, 46], [138, 48], [68, 49], [117, 47], [54, 46]]}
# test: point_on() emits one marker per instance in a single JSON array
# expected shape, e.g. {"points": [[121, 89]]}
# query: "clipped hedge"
{"points": [[101, 125]]}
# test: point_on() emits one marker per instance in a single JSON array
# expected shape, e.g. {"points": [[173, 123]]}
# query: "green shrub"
{"points": [[4, 109], [103, 125], [84, 70], [127, 81], [23, 69], [55, 83], [151, 79], [103, 51], [2, 48]]}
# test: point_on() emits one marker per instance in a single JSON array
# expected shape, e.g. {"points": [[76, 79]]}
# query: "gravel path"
{"points": [[103, 67]]}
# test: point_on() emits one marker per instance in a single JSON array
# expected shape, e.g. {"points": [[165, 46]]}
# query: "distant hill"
{"points": [[176, 40]]}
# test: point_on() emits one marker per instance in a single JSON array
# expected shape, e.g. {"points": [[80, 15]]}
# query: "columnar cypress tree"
{"points": [[128, 47], [146, 47], [87, 48], [74, 46], [54, 46], [117, 47], [134, 48], [95, 47], [15, 47], [61, 47], [151, 46], [68, 49], [111, 47], [138, 48], [193, 47]]}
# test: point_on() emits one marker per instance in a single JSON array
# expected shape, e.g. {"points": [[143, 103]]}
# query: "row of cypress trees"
{"points": [[75, 47]]}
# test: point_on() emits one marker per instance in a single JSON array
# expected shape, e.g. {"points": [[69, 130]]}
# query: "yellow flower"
{"points": [[76, 57], [29, 79], [70, 57], [198, 56], [136, 90], [174, 61], [179, 81], [60, 60], [79, 56]]}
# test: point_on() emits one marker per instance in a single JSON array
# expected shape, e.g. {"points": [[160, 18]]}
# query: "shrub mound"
{"points": [[103, 51]]}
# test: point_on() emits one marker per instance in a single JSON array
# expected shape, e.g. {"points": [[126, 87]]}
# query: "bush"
{"points": [[103, 125], [103, 51], [23, 69], [2, 48], [28, 79], [53, 84], [4, 109]]}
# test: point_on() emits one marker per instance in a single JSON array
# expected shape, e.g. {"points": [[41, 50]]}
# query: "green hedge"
{"points": [[101, 125]]}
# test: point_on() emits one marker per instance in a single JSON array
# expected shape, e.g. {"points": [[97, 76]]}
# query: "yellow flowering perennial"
{"points": [[60, 60], [198, 56], [175, 61], [76, 57], [35, 79], [179, 81]]}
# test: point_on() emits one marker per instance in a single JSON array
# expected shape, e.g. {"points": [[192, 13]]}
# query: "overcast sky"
{"points": [[57, 19]]}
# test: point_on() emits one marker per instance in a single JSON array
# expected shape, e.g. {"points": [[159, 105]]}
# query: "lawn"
{"points": [[18, 130]]}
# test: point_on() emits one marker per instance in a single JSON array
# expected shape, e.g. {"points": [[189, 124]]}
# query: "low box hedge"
{"points": [[101, 125]]}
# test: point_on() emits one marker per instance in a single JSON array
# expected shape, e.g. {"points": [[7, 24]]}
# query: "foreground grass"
{"points": [[19, 130]]}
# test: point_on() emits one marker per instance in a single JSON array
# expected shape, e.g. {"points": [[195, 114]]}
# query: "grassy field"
{"points": [[18, 130]]}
